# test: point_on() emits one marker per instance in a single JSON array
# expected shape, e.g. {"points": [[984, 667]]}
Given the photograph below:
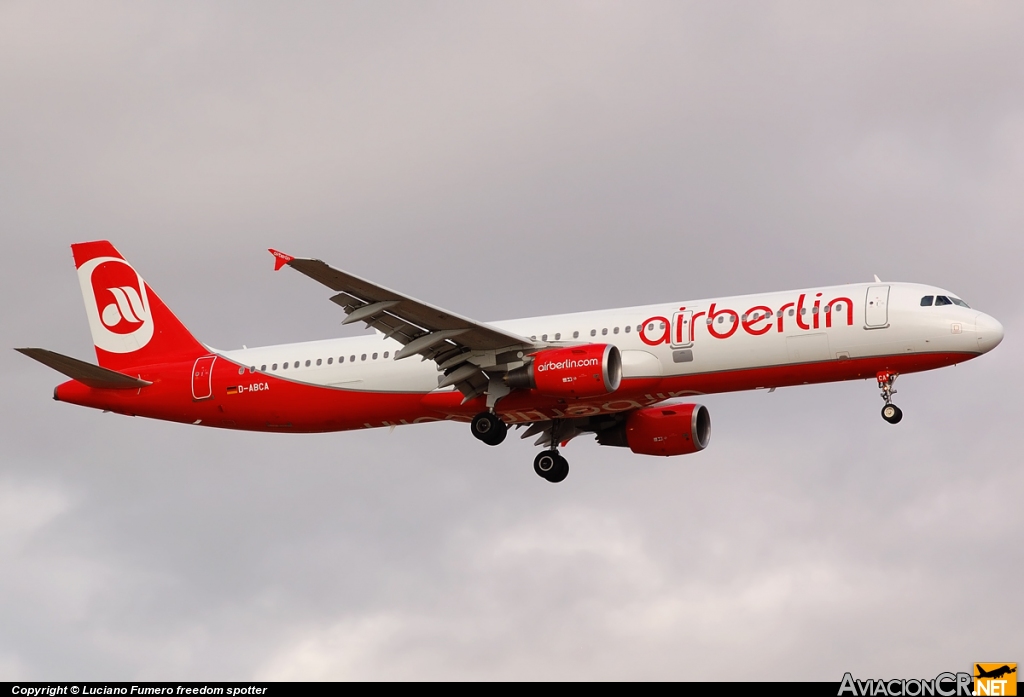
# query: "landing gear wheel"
{"points": [[561, 471], [551, 466], [892, 413], [489, 428]]}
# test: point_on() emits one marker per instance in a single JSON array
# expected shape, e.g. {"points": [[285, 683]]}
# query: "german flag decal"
{"points": [[233, 390]]}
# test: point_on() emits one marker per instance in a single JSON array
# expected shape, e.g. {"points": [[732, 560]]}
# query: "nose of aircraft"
{"points": [[989, 331]]}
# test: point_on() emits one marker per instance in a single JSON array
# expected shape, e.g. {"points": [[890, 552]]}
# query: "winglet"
{"points": [[280, 259]]}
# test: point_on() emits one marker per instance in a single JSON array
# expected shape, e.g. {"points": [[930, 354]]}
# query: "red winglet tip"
{"points": [[280, 259]]}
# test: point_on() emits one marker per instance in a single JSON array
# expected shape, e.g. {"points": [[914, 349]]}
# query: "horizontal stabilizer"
{"points": [[85, 373]]}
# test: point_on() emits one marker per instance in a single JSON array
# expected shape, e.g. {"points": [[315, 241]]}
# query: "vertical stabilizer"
{"points": [[130, 324]]}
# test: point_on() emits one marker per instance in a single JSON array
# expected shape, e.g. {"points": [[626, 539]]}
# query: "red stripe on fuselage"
{"points": [[264, 402]]}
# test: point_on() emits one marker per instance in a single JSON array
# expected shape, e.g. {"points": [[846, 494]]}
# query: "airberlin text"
{"points": [[568, 364], [942, 685], [722, 323]]}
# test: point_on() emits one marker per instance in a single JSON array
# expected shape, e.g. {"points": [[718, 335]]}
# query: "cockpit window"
{"points": [[926, 301], [958, 301], [942, 300]]}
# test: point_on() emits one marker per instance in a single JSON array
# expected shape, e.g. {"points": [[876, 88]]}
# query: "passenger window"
{"points": [[575, 335], [533, 338], [604, 332], [650, 327], [926, 301], [558, 335], [743, 318], [375, 356], [839, 307], [803, 310], [274, 367], [721, 319], [241, 370], [341, 359], [942, 300], [319, 361], [307, 362], [263, 368], [791, 313], [352, 359], [386, 354], [285, 366], [814, 311], [363, 357], [593, 332], [544, 337], [615, 331], [627, 329], [330, 360]]}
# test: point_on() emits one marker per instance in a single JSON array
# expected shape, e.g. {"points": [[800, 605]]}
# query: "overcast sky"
{"points": [[507, 160]]}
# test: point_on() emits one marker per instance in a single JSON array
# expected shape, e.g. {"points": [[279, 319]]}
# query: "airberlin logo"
{"points": [[567, 364], [117, 305], [125, 314], [721, 323]]}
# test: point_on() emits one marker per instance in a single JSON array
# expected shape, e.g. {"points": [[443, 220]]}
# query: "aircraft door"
{"points": [[202, 378], [876, 307], [681, 329]]}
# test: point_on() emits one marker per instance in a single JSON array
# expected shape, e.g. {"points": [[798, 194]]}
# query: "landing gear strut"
{"points": [[890, 412], [488, 428], [551, 466]]}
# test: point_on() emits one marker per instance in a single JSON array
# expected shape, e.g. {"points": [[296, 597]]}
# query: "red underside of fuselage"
{"points": [[296, 407]]}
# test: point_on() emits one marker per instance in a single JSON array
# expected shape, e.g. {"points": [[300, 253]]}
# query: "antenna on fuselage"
{"points": [[877, 279]]}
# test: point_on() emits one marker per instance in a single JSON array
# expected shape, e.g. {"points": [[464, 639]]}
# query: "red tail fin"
{"points": [[130, 325]]}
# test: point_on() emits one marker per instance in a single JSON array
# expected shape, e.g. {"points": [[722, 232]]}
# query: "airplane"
{"points": [[627, 375], [995, 673]]}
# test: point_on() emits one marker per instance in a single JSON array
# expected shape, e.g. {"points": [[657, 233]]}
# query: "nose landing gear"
{"points": [[890, 412], [551, 466]]}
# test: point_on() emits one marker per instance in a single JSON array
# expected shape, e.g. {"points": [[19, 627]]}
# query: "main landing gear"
{"points": [[551, 466], [890, 412], [488, 428]]}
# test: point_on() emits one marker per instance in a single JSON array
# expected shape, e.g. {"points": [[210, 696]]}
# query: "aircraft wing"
{"points": [[454, 342]]}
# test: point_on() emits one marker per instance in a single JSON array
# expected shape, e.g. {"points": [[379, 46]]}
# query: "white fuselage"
{"points": [[676, 339]]}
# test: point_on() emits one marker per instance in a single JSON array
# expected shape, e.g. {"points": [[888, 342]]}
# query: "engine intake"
{"points": [[590, 370]]}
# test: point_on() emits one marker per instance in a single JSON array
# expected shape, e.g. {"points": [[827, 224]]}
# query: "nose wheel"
{"points": [[487, 427], [551, 466], [890, 412]]}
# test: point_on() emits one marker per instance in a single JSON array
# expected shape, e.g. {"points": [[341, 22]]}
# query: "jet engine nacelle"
{"points": [[590, 370], [675, 430]]}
